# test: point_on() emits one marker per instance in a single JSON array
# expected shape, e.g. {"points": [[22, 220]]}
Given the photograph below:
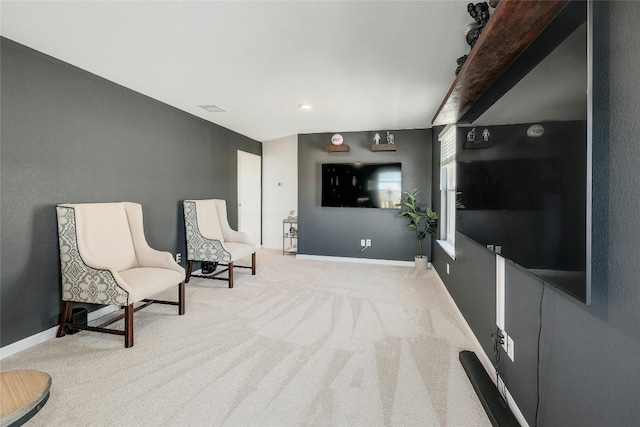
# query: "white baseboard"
{"points": [[484, 359], [28, 342], [357, 260], [513, 406]]}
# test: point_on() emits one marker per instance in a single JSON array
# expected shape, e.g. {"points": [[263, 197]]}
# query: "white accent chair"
{"points": [[211, 239], [105, 259]]}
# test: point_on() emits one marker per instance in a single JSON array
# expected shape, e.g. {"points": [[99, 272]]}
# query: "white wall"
{"points": [[279, 187]]}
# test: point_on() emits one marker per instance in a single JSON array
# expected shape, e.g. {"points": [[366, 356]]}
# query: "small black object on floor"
{"points": [[78, 317], [493, 403], [208, 267]]}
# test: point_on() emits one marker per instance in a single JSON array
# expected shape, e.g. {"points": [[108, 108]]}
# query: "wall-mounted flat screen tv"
{"points": [[524, 165], [361, 185]]}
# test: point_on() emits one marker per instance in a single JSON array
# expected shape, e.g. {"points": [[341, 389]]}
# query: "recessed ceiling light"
{"points": [[213, 108], [305, 107]]}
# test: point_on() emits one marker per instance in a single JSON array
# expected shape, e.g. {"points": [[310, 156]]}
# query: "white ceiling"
{"points": [[362, 65]]}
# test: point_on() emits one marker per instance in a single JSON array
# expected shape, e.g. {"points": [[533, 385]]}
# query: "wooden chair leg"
{"points": [[65, 318], [181, 298], [253, 264], [189, 269], [230, 275], [128, 326]]}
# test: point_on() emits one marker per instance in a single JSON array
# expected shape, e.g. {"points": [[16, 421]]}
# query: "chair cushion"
{"points": [[239, 250], [148, 281], [103, 230]]}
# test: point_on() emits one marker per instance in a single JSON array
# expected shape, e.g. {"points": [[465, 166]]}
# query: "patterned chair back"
{"points": [[93, 237]]}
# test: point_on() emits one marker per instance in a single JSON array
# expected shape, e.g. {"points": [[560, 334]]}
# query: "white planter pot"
{"points": [[422, 262]]}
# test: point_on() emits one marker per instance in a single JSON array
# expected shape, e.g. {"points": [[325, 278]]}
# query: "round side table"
{"points": [[22, 394]]}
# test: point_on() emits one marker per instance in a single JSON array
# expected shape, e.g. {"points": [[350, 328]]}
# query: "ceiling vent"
{"points": [[213, 108]]}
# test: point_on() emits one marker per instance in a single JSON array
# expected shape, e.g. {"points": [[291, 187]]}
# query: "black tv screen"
{"points": [[361, 185], [517, 184], [526, 196]]}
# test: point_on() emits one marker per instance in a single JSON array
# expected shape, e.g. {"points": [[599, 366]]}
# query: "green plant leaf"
{"points": [[422, 220]]}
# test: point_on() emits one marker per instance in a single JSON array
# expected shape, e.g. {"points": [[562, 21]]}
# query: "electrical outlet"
{"points": [[505, 341], [362, 243], [178, 257], [498, 249], [368, 243], [508, 345], [447, 268], [510, 348]]}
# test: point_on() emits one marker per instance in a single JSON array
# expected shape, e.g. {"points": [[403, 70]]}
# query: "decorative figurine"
{"points": [[390, 138], [377, 138], [486, 135], [471, 135], [535, 131], [460, 62], [337, 139], [479, 12]]}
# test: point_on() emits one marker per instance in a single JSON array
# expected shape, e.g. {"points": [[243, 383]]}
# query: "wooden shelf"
{"points": [[383, 147], [336, 148], [513, 26]]}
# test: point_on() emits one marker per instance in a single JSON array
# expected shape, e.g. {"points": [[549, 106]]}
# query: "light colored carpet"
{"points": [[302, 343]]}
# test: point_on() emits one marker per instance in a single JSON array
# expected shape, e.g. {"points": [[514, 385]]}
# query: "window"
{"points": [[448, 194]]}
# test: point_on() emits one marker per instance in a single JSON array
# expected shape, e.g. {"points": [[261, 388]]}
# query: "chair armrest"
{"points": [[149, 257], [203, 249], [237, 237], [97, 274], [153, 258], [88, 261]]}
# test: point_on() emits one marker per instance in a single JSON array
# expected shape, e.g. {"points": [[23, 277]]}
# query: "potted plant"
{"points": [[422, 221]]}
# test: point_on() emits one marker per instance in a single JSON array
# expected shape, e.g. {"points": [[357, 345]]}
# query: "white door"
{"points": [[249, 195]]}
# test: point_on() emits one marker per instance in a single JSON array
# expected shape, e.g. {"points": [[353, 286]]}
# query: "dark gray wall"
{"points": [[589, 369], [337, 231], [70, 136]]}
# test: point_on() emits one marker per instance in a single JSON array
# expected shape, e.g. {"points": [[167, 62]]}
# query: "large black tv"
{"points": [[508, 184], [361, 185], [524, 165]]}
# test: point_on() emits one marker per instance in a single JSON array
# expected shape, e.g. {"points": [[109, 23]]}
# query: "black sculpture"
{"points": [[480, 13], [460, 62]]}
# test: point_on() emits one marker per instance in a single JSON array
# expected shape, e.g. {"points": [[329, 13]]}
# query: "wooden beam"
{"points": [[513, 25]]}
